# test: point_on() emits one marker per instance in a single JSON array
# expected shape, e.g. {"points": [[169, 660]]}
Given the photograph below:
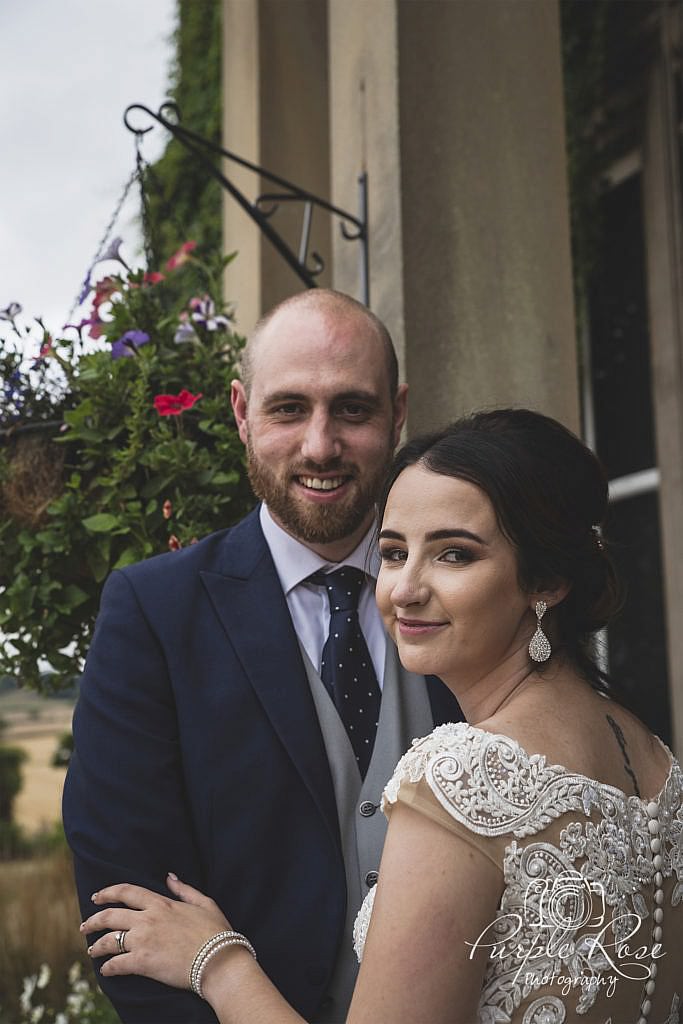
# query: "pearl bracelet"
{"points": [[212, 946]]}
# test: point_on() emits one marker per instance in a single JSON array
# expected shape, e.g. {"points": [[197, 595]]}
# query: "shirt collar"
{"points": [[294, 562]]}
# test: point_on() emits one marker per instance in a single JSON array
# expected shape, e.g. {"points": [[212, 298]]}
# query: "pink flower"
{"points": [[174, 405], [104, 290], [97, 325], [173, 543], [45, 352], [149, 277], [181, 256]]}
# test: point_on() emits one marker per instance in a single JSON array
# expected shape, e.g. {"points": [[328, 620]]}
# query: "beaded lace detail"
{"points": [[603, 860], [362, 923]]}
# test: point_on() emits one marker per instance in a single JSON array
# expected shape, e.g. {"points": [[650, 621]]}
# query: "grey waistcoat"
{"points": [[405, 713]]}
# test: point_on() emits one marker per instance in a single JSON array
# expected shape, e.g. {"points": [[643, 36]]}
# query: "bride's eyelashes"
{"points": [[457, 556], [389, 554], [451, 555]]}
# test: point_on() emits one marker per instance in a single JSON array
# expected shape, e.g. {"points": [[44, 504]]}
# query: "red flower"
{"points": [[97, 328], [46, 349], [181, 256], [104, 290], [173, 543], [167, 509], [173, 405], [152, 277]]}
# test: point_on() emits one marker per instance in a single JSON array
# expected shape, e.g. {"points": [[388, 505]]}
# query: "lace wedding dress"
{"points": [[587, 872]]}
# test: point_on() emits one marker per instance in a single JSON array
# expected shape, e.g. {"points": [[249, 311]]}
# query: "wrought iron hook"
{"points": [[353, 228], [159, 116]]}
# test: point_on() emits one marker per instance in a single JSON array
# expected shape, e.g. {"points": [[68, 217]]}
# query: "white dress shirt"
{"points": [[309, 605]]}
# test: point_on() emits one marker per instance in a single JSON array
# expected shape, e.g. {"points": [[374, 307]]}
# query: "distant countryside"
{"points": [[38, 907]]}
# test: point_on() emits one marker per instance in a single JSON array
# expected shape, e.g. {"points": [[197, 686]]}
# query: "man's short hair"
{"points": [[327, 300]]}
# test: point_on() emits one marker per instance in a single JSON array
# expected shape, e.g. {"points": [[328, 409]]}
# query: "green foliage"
{"points": [[76, 504], [584, 51], [13, 843], [11, 759], [184, 199], [133, 483], [17, 844], [63, 750], [36, 399]]}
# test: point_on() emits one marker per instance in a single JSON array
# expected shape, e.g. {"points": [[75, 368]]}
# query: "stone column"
{"points": [[275, 114], [241, 120], [456, 109], [664, 237], [364, 122]]}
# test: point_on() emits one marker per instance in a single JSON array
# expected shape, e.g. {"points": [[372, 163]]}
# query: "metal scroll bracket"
{"points": [[306, 265]]}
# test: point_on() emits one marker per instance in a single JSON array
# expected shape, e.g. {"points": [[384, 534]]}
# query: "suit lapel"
{"points": [[249, 602]]}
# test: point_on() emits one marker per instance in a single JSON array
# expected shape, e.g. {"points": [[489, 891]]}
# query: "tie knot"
{"points": [[343, 587]]}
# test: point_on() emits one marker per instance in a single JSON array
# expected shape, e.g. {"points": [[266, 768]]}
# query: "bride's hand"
{"points": [[161, 936]]}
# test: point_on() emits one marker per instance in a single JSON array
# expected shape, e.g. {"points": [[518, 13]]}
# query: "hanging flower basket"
{"points": [[110, 456], [34, 473]]}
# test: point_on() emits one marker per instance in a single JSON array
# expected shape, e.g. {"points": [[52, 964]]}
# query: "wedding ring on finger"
{"points": [[121, 941]]}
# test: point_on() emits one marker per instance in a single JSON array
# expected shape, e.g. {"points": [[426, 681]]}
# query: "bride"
{"points": [[533, 866]]}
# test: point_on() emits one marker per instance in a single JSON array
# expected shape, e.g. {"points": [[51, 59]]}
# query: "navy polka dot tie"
{"points": [[346, 667]]}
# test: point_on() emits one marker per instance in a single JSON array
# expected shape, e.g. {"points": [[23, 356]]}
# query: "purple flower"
{"points": [[184, 333], [10, 312], [112, 253], [204, 314], [79, 327], [128, 344]]}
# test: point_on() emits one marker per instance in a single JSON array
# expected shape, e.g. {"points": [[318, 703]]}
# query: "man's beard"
{"points": [[311, 522]]}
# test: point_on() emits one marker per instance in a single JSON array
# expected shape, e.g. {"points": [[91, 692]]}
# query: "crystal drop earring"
{"points": [[539, 645]]}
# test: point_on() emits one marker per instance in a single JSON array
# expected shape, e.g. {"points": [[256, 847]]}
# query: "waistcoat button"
{"points": [[367, 808], [371, 879]]}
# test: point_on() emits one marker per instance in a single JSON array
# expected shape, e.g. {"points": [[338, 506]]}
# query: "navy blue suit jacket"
{"points": [[198, 750]]}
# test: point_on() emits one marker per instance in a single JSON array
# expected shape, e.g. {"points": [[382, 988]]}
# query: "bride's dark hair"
{"points": [[549, 493]]}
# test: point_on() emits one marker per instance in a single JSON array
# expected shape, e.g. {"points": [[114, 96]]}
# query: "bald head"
{"points": [[320, 412], [326, 302]]}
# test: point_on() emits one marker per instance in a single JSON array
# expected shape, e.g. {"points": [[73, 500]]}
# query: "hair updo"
{"points": [[549, 494]]}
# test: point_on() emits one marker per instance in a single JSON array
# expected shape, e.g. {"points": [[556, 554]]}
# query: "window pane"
{"points": [[619, 337], [637, 639]]}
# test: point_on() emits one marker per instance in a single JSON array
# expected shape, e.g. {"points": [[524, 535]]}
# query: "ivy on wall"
{"points": [[184, 200], [584, 57], [607, 50]]}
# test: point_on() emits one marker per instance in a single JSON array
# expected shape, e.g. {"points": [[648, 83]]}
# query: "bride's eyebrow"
{"points": [[446, 534], [459, 534]]}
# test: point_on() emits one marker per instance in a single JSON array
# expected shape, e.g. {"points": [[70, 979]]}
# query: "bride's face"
{"points": [[448, 589]]}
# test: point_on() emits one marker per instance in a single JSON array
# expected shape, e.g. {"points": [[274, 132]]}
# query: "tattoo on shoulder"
{"points": [[621, 740]]}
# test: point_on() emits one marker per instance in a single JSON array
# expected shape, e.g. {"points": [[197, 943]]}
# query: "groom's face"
{"points": [[320, 423]]}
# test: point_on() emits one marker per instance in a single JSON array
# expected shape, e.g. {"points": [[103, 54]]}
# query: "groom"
{"points": [[222, 732]]}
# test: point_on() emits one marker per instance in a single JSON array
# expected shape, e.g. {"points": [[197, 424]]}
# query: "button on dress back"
{"points": [[346, 667]]}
